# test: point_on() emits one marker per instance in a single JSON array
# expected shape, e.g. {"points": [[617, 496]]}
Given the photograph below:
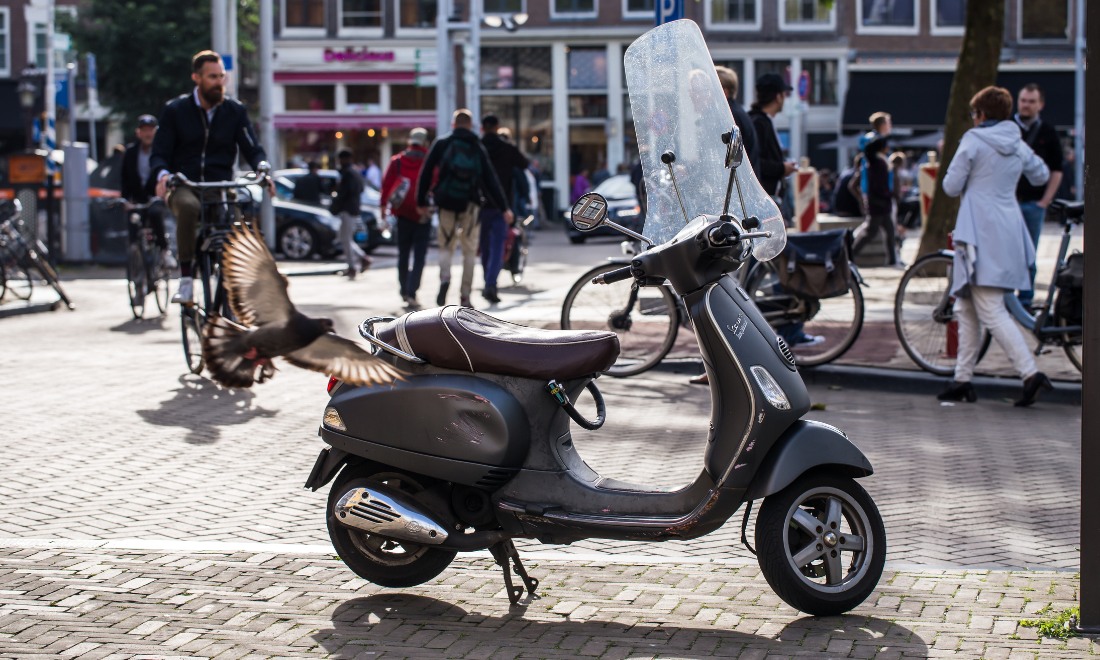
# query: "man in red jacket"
{"points": [[413, 229]]}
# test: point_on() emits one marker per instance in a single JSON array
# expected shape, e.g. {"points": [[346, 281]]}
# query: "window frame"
{"points": [[913, 30], [1071, 16], [376, 31], [486, 12], [629, 15], [946, 31], [828, 26], [400, 31], [299, 31], [5, 72], [556, 15], [755, 26]]}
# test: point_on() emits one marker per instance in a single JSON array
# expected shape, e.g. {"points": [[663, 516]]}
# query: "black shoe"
{"points": [[441, 299], [1032, 387], [490, 295], [959, 392]]}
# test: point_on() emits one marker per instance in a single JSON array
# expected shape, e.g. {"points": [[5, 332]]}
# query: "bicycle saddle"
{"points": [[1070, 209], [455, 337]]}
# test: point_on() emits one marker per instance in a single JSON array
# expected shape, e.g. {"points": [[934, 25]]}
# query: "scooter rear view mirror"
{"points": [[589, 212], [735, 148]]}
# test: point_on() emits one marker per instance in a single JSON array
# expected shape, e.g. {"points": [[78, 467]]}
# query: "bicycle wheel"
{"points": [[1072, 346], [18, 280], [136, 278], [192, 339], [49, 274], [830, 325], [645, 322], [160, 286]]}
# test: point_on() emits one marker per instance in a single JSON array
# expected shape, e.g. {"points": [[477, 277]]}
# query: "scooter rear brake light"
{"points": [[771, 389], [332, 384]]}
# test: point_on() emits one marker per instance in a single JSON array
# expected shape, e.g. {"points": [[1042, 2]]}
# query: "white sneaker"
{"points": [[811, 340], [168, 260], [183, 295]]}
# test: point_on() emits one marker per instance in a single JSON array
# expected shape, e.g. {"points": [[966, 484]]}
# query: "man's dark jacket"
{"points": [[506, 159], [489, 184], [1043, 140], [132, 187], [880, 198], [769, 166], [308, 188], [185, 143], [748, 131], [348, 191]]}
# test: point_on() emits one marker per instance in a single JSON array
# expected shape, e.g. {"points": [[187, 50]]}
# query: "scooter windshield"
{"points": [[678, 106]]}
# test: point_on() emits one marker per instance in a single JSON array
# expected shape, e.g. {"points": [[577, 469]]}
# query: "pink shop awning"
{"points": [[337, 122], [329, 77]]}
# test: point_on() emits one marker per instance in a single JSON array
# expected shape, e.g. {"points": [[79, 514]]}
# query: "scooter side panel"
{"points": [[452, 416]]}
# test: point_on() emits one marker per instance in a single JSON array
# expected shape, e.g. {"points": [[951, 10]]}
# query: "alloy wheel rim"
{"points": [[297, 242], [832, 540]]}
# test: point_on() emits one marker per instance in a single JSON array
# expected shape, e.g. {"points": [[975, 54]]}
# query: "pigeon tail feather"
{"points": [[229, 359]]}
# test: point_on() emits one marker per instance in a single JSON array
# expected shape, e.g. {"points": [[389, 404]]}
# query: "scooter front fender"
{"points": [[805, 445]]}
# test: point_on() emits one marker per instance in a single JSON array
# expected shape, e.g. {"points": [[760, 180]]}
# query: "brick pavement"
{"points": [[117, 604], [105, 439]]}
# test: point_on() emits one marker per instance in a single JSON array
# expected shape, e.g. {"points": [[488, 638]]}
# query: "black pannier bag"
{"points": [[1070, 281], [815, 264]]}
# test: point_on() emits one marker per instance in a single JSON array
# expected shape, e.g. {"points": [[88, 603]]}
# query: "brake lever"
{"points": [[755, 234]]}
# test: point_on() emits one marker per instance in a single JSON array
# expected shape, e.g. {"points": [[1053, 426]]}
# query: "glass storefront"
{"points": [[530, 119]]}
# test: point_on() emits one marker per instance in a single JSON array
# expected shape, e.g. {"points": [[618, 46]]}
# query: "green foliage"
{"points": [[143, 49], [1061, 625]]}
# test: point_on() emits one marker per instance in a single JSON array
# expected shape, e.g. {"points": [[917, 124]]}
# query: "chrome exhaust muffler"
{"points": [[385, 511]]}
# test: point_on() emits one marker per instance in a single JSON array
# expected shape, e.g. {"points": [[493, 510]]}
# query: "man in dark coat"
{"points": [[506, 160], [307, 189], [771, 167], [879, 198], [346, 206], [730, 85], [139, 185]]}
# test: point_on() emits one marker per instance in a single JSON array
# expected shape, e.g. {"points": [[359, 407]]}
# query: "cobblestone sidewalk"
{"points": [[141, 604]]}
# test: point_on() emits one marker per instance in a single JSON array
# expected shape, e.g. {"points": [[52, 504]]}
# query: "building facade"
{"points": [[359, 73]]}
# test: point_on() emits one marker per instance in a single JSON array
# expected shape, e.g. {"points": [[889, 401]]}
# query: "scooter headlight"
{"points": [[771, 389], [333, 421]]}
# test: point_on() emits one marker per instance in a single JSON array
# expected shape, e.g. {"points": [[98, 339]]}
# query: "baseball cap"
{"points": [[146, 120], [772, 81], [418, 136]]}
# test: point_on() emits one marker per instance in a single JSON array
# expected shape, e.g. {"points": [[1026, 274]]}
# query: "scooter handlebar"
{"points": [[612, 276]]}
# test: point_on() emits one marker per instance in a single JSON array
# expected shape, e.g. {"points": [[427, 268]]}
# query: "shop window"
{"points": [[531, 121], [361, 13], [1044, 19], [781, 67], [311, 97], [823, 75], [305, 13], [503, 6], [738, 67], [638, 9], [417, 13], [888, 15], [364, 98], [412, 97], [5, 51], [573, 8], [806, 14], [587, 105], [515, 68], [726, 13], [950, 14], [587, 68]]}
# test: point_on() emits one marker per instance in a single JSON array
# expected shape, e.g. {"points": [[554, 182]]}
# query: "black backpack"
{"points": [[459, 173]]}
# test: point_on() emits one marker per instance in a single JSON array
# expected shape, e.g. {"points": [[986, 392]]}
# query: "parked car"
{"points": [[371, 234], [622, 208], [302, 230]]}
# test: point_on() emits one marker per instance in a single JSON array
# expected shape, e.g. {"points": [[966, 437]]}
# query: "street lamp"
{"points": [[28, 93], [510, 22]]}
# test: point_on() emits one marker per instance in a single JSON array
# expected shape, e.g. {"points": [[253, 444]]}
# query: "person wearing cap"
{"points": [[346, 207], [139, 185], [414, 229], [506, 159], [771, 167]]}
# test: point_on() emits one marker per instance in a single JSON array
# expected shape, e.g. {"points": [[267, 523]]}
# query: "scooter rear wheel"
{"points": [[385, 562], [821, 543]]}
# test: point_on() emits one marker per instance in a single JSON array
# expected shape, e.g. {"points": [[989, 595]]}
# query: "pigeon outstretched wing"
{"points": [[257, 290], [340, 358]]}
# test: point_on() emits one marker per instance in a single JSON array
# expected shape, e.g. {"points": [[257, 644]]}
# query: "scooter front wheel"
{"points": [[383, 561], [821, 543]]}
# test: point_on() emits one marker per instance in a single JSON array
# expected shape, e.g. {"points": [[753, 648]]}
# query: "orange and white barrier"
{"points": [[805, 197], [926, 181]]}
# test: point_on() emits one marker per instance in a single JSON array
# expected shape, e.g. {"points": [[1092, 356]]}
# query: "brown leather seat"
{"points": [[456, 337]]}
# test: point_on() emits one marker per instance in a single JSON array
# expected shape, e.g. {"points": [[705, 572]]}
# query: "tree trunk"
{"points": [[977, 69]]}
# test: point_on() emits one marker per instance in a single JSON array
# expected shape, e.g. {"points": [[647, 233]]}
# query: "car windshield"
{"points": [[617, 187], [678, 105]]}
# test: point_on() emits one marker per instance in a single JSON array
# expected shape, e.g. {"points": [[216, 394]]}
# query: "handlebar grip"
{"points": [[612, 276]]}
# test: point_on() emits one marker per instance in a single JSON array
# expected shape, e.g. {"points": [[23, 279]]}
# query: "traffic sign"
{"points": [[804, 85], [668, 11], [92, 80]]}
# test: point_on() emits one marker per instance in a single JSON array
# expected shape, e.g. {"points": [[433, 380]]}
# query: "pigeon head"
{"points": [[327, 325]]}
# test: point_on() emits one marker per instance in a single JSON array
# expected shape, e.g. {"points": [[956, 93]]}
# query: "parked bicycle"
{"points": [[515, 248], [924, 313], [146, 272], [224, 204], [20, 258]]}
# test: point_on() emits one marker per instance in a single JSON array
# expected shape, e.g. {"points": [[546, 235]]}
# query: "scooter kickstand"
{"points": [[503, 552]]}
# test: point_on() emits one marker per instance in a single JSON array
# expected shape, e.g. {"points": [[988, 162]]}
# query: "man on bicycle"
{"points": [[199, 136], [139, 185]]}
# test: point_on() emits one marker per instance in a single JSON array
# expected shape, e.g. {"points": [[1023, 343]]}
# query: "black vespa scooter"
{"points": [[473, 448]]}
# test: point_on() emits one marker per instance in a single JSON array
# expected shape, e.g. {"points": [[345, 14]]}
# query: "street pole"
{"points": [[49, 137], [473, 81], [267, 111], [444, 78], [233, 85], [1090, 375], [218, 18], [1079, 102]]}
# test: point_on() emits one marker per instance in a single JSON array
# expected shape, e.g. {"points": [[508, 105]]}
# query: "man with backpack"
{"points": [[413, 228], [457, 172], [507, 161]]}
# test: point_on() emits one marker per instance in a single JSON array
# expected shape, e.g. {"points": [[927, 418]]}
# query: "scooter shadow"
{"points": [[407, 623], [203, 408]]}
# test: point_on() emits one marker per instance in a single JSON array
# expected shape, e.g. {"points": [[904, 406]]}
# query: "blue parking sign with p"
{"points": [[669, 10]]}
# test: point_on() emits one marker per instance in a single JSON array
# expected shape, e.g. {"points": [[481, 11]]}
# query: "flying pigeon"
{"points": [[238, 355]]}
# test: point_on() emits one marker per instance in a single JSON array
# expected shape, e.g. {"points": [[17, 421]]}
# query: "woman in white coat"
{"points": [[993, 249]]}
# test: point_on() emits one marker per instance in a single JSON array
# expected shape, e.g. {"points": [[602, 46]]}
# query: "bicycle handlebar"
{"points": [[262, 173]]}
